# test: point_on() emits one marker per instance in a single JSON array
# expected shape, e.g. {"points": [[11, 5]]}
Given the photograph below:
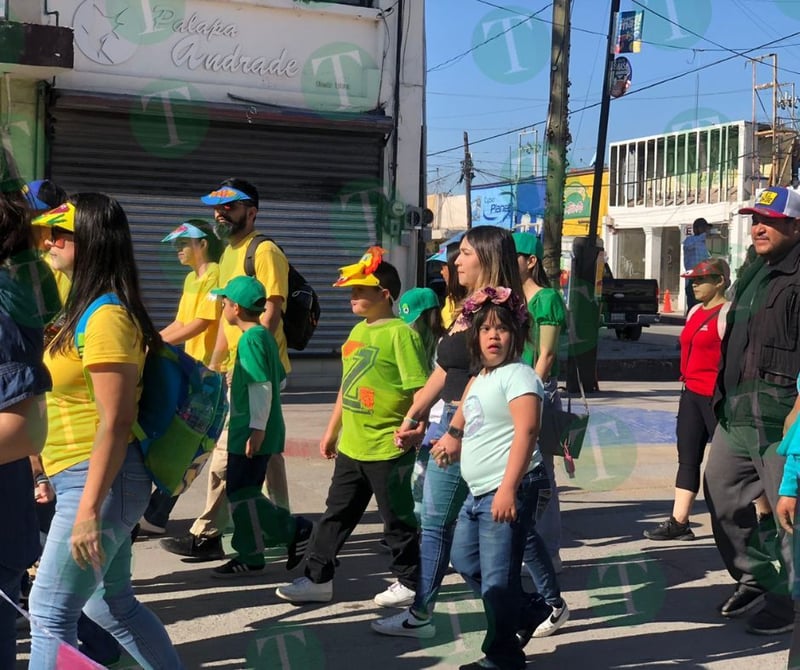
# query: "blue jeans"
{"points": [[443, 493], [62, 589], [489, 557], [548, 525]]}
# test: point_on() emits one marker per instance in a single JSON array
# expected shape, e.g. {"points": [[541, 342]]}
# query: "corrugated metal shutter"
{"points": [[301, 175]]}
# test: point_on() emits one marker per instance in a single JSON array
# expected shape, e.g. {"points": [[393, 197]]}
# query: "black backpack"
{"points": [[301, 311]]}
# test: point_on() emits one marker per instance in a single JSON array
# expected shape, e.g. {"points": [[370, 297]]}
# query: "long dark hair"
{"points": [[497, 254], [430, 328], [16, 234], [539, 275], [104, 263]]}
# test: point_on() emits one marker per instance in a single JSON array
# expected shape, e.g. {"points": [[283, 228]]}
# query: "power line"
{"points": [[703, 37], [457, 58], [630, 93]]}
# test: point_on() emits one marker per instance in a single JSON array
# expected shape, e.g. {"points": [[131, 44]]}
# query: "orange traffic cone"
{"points": [[667, 303]]}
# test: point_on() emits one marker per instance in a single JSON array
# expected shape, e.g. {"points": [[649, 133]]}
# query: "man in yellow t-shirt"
{"points": [[235, 203]]}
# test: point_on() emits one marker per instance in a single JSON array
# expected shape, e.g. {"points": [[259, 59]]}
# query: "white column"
{"points": [[652, 253]]}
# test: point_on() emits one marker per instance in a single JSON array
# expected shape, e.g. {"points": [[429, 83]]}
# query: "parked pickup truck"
{"points": [[629, 305]]}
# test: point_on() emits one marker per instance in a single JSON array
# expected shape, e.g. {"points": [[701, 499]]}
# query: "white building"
{"points": [[320, 105], [660, 184]]}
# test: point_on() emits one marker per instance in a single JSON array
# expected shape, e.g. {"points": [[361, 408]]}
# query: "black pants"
{"points": [[738, 471], [352, 486], [695, 426]]}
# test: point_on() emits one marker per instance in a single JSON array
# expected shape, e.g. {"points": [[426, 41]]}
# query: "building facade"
{"points": [[319, 104], [660, 184]]}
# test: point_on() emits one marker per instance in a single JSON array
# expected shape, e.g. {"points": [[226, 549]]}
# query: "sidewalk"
{"points": [[634, 603]]}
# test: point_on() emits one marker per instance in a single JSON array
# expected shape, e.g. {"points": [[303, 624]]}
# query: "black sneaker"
{"points": [[769, 623], [198, 548], [670, 530], [235, 568], [743, 600], [297, 547]]}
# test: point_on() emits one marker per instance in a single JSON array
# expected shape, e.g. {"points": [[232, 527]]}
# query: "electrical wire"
{"points": [[455, 59], [636, 91]]}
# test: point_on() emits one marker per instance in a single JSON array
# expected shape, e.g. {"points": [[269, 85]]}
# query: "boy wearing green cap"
{"points": [[256, 431]]}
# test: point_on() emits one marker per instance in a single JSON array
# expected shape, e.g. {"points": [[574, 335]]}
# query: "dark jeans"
{"points": [[738, 471], [257, 522], [9, 582], [352, 485], [695, 426], [159, 508], [488, 555]]}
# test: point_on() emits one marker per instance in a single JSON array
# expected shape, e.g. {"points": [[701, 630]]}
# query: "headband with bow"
{"points": [[500, 295]]}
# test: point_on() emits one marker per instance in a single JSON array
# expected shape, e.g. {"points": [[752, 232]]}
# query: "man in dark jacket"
{"points": [[755, 391]]}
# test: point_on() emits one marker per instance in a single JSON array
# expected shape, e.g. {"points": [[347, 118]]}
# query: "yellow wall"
{"points": [[577, 203]]}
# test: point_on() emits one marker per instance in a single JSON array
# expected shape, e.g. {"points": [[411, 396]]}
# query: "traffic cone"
{"points": [[667, 303]]}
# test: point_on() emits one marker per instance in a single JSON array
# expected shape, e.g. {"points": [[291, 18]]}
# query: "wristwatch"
{"points": [[457, 433]]}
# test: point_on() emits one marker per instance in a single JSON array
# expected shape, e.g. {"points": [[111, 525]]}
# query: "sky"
{"points": [[490, 82]]}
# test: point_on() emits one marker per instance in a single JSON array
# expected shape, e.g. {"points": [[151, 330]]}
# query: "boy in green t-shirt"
{"points": [[255, 432], [384, 363]]}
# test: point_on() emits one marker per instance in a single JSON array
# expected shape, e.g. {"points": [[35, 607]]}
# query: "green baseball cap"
{"points": [[414, 302], [245, 291], [528, 244]]}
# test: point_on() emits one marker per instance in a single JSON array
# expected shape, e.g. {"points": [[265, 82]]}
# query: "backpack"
{"points": [[182, 410], [302, 310]]}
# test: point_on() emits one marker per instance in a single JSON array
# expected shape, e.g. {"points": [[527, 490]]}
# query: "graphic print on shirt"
{"points": [[473, 412], [357, 359]]}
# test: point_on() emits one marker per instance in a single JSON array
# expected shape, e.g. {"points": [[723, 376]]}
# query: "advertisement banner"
{"points": [[629, 37], [493, 205]]}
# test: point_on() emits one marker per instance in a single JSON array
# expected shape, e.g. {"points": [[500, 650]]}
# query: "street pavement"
{"points": [[634, 603]]}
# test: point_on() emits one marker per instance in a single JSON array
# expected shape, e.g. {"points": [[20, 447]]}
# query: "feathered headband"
{"points": [[499, 295], [361, 273]]}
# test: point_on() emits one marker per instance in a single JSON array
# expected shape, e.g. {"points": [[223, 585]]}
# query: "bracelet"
{"points": [[411, 420], [457, 433], [42, 479]]}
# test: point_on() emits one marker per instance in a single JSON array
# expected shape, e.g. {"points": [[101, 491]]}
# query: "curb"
{"points": [[639, 370]]}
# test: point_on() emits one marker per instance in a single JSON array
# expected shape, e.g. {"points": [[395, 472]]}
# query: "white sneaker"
{"points": [[303, 590], [558, 617], [405, 624], [396, 595]]}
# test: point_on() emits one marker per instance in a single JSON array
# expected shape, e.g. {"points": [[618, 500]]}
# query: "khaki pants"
{"points": [[215, 516]]}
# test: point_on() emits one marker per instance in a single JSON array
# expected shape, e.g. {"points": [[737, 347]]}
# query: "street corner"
{"points": [[509, 45], [168, 119], [340, 77], [673, 23], [626, 589], [695, 117], [363, 207]]}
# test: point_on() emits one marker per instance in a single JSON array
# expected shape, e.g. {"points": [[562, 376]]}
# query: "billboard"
{"points": [[493, 205], [578, 203]]}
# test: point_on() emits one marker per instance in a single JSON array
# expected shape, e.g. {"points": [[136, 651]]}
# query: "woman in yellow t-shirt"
{"points": [[90, 455], [195, 326]]}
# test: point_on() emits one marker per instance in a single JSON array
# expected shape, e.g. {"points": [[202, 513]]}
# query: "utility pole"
{"points": [[466, 177], [557, 139], [584, 309]]}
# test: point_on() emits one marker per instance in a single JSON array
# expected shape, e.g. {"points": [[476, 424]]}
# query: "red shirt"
{"points": [[701, 350]]}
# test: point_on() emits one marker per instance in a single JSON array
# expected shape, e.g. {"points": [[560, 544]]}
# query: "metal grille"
{"points": [[306, 178]]}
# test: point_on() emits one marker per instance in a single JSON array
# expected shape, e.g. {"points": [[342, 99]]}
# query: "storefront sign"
{"points": [[225, 47]]}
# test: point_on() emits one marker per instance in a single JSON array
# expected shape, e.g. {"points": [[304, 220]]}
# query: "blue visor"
{"points": [[185, 230], [224, 195], [31, 191]]}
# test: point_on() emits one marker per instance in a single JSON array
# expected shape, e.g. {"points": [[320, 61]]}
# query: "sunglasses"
{"points": [[59, 238], [228, 206]]}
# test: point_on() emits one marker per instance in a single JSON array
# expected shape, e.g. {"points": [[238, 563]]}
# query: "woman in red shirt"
{"points": [[701, 342]]}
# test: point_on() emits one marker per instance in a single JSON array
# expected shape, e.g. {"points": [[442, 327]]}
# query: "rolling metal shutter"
{"points": [[303, 175]]}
